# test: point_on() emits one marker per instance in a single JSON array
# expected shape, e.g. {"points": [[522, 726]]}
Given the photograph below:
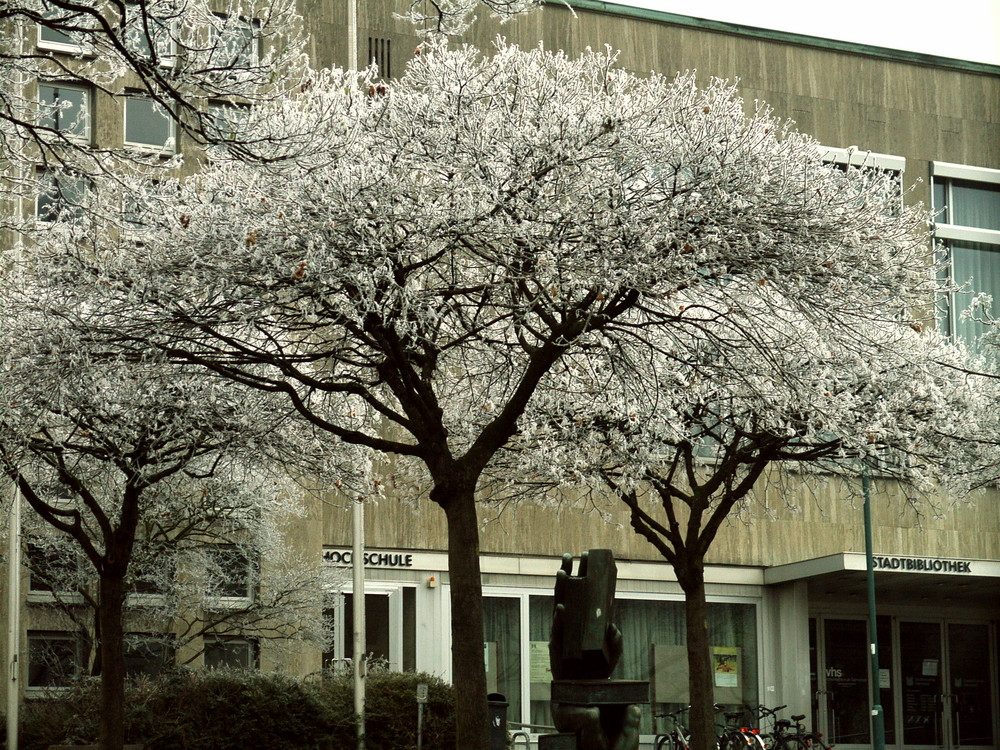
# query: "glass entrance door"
{"points": [[947, 696], [970, 692], [389, 629], [920, 683], [845, 678], [935, 677]]}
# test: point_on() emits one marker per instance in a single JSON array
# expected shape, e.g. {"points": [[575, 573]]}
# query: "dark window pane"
{"points": [[53, 660]]}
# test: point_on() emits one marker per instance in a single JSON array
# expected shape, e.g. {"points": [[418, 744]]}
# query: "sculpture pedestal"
{"points": [[600, 692], [593, 714]]}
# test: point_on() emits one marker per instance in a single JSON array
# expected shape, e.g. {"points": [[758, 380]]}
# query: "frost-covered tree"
{"points": [[145, 469], [413, 262], [683, 429]]}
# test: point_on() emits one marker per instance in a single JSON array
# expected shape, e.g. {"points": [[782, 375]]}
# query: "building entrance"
{"points": [[937, 683]]}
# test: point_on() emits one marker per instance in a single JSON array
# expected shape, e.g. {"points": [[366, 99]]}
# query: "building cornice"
{"points": [[783, 37]]}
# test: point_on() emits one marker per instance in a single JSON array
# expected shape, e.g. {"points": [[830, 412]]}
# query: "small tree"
{"points": [[411, 268], [114, 454]]}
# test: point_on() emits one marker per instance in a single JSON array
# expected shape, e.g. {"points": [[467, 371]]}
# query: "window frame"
{"points": [[49, 595], [143, 639], [70, 48], [78, 211], [226, 641], [945, 174], [227, 24], [164, 58], [87, 117], [213, 601], [52, 636], [168, 147]]}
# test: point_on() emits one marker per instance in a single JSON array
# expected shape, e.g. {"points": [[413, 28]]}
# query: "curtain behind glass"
{"points": [[978, 265], [502, 627], [975, 204]]}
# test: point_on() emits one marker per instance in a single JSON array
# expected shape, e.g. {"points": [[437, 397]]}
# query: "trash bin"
{"points": [[498, 720]]}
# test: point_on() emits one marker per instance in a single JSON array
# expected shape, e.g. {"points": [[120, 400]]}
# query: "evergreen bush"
{"points": [[235, 710]]}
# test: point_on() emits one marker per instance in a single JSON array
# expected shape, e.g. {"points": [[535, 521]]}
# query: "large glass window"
{"points": [[967, 206], [502, 649], [654, 649], [65, 109], [147, 125]]}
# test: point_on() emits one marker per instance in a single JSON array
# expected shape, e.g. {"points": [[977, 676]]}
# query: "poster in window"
{"points": [[726, 665], [541, 669]]}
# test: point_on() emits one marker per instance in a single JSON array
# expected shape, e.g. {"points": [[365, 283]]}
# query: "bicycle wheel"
{"points": [[664, 742]]}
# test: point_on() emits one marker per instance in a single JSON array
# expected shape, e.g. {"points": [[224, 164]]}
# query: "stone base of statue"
{"points": [[597, 714]]}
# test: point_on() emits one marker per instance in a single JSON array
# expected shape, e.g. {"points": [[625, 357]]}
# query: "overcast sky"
{"points": [[963, 29]]}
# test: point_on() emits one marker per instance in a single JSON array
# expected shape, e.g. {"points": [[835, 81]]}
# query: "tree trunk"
{"points": [[691, 576], [468, 665], [112, 719]]}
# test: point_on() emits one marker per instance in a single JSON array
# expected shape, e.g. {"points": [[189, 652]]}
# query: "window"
{"points": [[231, 577], [380, 55], [966, 201], [235, 43], [151, 574], [54, 660], [55, 571], [148, 654], [147, 125], [61, 196], [65, 109], [517, 626], [226, 652], [147, 35], [58, 34], [870, 165], [226, 121]]}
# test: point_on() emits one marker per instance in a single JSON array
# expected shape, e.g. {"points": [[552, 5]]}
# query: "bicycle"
{"points": [[678, 737], [782, 738], [738, 735]]}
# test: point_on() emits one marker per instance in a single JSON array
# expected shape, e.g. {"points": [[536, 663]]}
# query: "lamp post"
{"points": [[878, 717]]}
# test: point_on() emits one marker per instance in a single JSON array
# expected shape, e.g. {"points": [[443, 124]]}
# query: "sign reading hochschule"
{"points": [[922, 565], [373, 558]]}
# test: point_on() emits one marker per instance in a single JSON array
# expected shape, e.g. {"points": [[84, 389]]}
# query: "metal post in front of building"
{"points": [[13, 620], [878, 716], [358, 514]]}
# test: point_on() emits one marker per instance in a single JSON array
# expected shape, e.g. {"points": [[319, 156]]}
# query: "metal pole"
{"points": [[878, 717], [358, 598], [358, 516], [13, 620]]}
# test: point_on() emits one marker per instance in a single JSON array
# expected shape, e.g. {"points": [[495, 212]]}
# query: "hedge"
{"points": [[234, 710]]}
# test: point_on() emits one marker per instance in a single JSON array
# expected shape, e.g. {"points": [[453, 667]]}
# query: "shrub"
{"points": [[232, 710], [391, 711]]}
